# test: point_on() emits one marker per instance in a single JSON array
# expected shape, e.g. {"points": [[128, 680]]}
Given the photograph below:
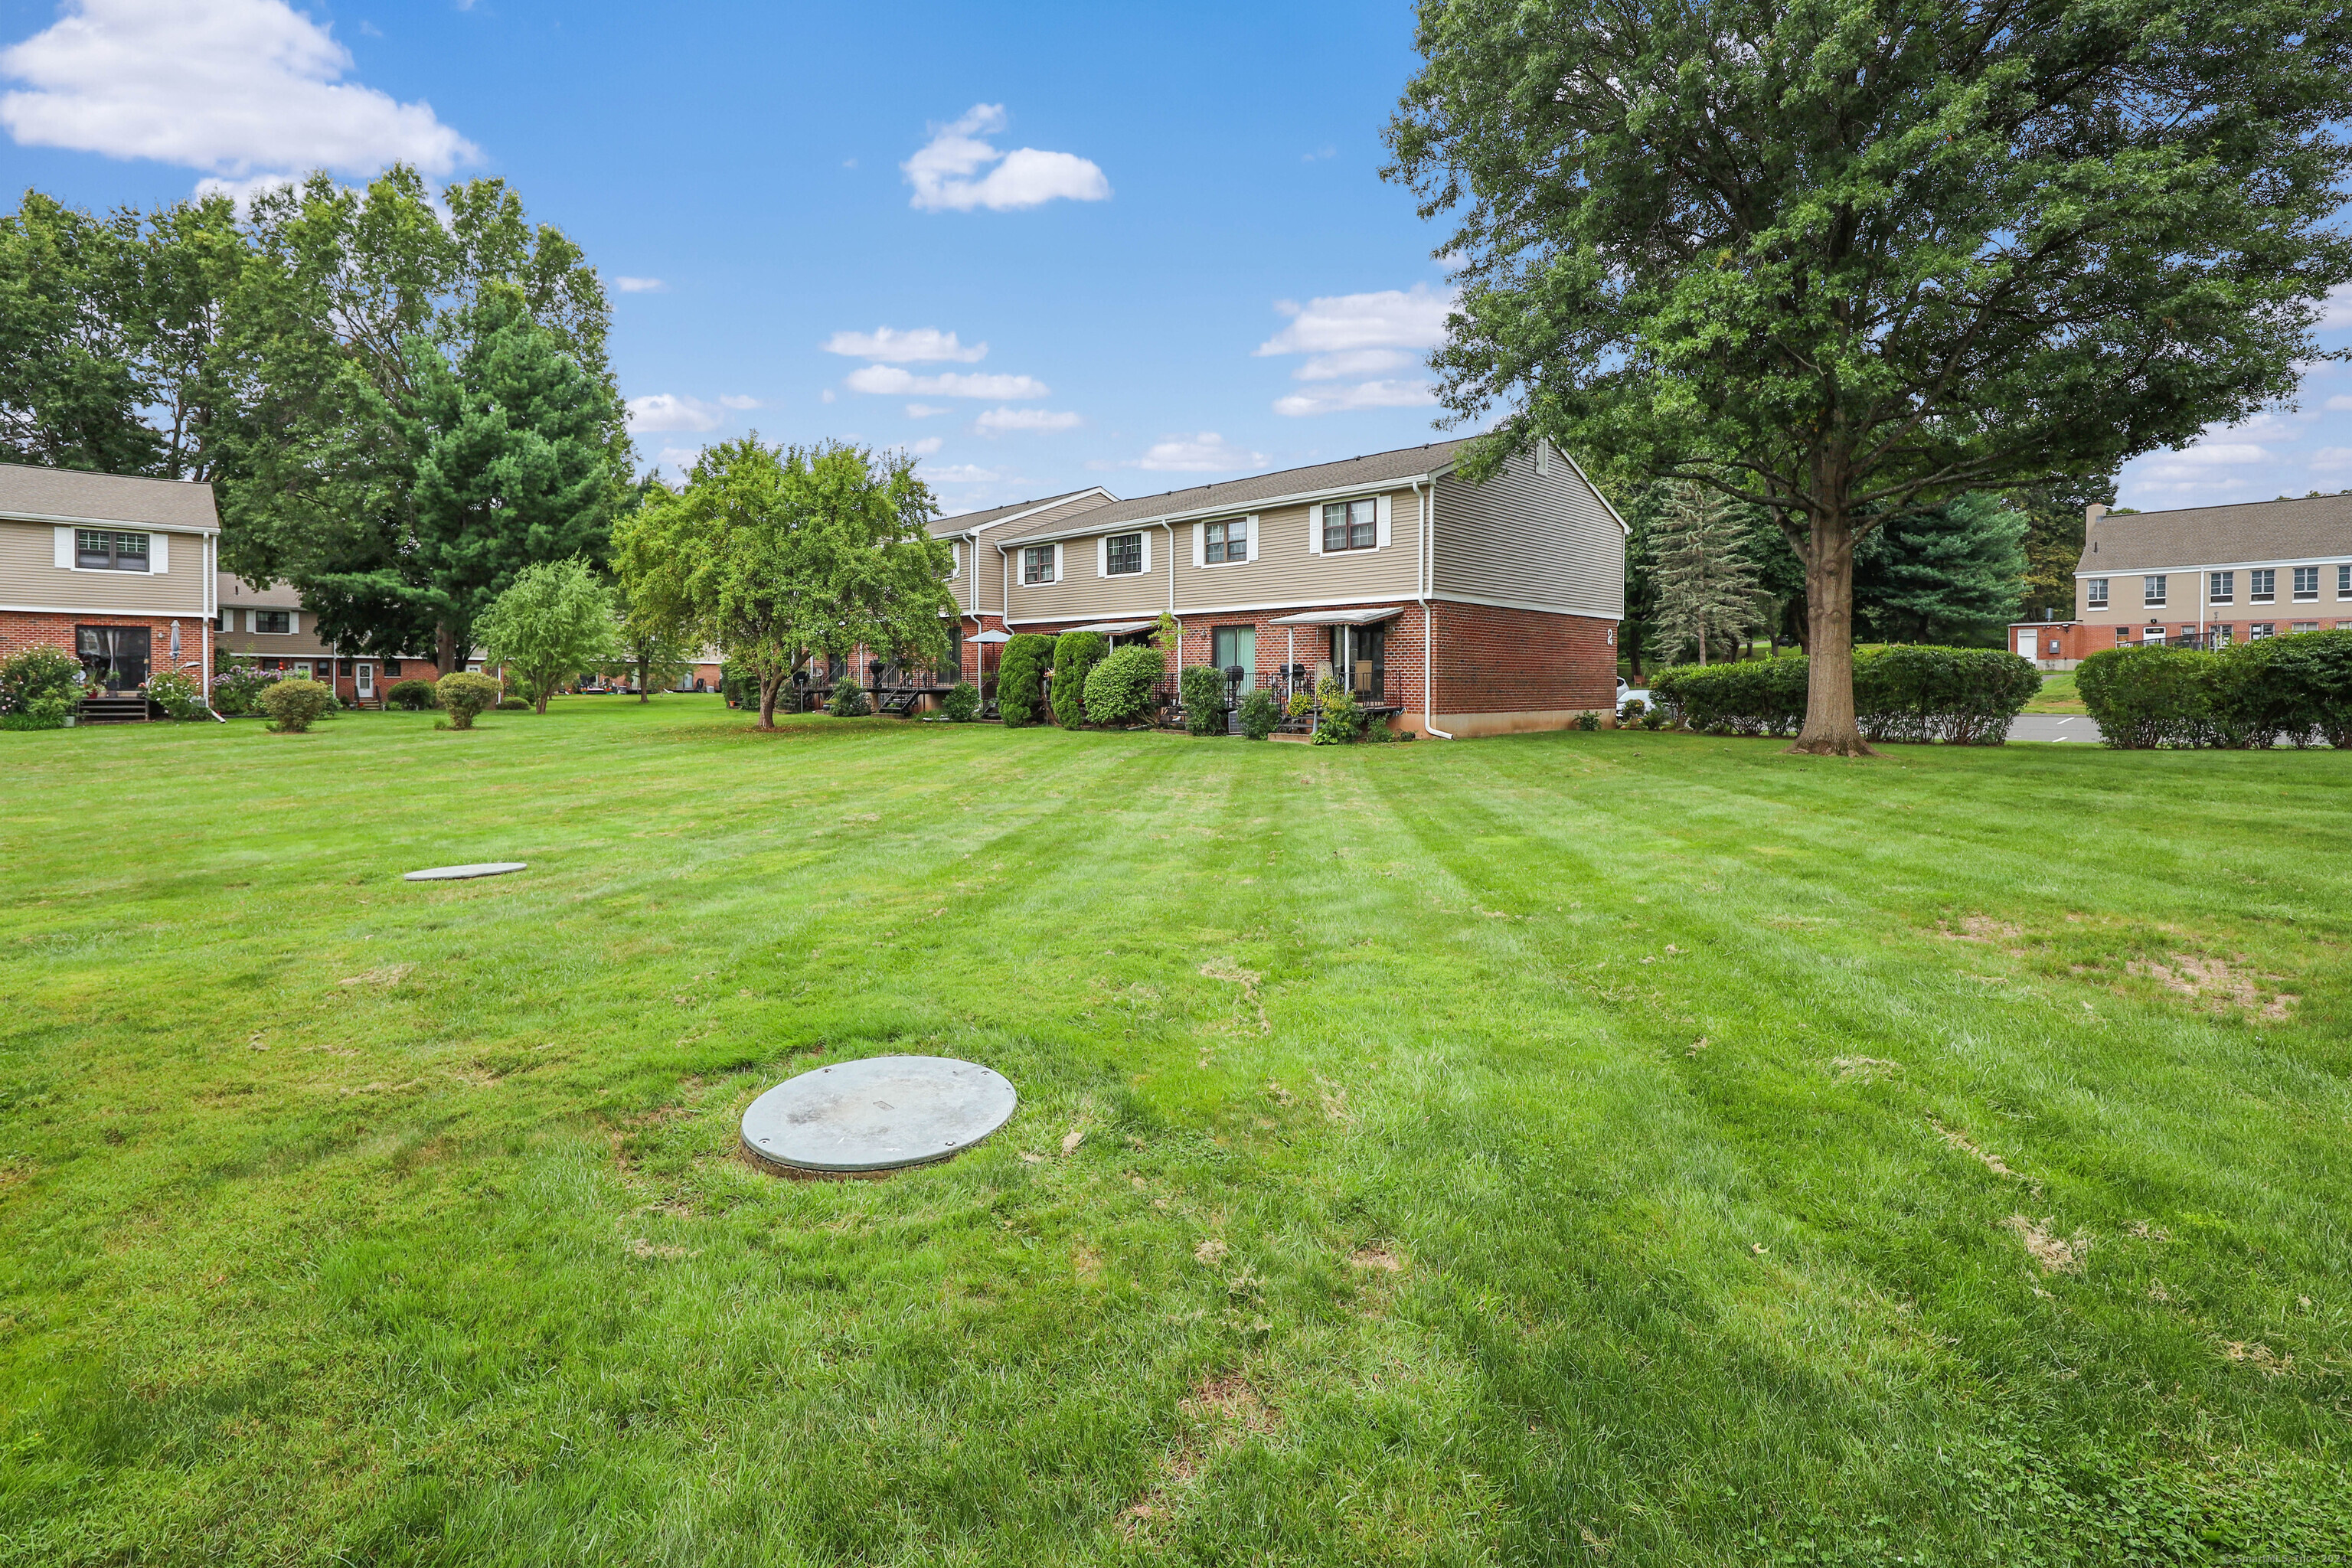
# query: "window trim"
{"points": [[1053, 554], [291, 628], [2154, 587], [1247, 522], [2220, 587], [1347, 526], [114, 536], [1142, 537], [2261, 586], [2094, 593], [2294, 583]]}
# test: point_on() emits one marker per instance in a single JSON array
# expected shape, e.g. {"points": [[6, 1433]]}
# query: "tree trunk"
{"points": [[1830, 728], [444, 649], [644, 680], [768, 686]]}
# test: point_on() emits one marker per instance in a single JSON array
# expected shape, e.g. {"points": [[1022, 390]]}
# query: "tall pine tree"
{"points": [[1704, 584]]}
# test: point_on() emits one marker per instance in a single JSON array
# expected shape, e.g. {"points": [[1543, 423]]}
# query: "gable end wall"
{"points": [[1525, 538]]}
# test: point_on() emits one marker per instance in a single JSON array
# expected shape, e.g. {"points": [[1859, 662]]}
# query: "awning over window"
{"points": [[1121, 628], [990, 637], [1338, 617]]}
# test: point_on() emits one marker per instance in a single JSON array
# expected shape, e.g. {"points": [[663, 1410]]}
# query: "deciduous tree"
{"points": [[553, 624], [1846, 258]]}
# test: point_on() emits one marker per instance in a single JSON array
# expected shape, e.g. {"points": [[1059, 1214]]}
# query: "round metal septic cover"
{"points": [[465, 873], [878, 1113]]}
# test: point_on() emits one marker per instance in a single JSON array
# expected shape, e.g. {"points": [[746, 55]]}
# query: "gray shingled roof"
{"points": [[69, 495], [2314, 527], [963, 522], [1379, 468]]}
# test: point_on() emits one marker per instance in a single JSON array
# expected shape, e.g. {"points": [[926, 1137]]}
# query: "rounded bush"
{"points": [[1962, 696], [464, 694], [2296, 688], [177, 694], [848, 699], [413, 695], [36, 673], [1123, 688], [1076, 654], [1021, 678], [1260, 714], [1203, 686], [293, 705], [961, 704], [513, 705]]}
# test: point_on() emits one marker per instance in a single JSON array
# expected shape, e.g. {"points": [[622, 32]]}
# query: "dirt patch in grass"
{"points": [[1379, 1259], [1864, 1069], [1233, 1406], [382, 974], [2219, 985], [2261, 1357], [1959, 1141], [2055, 1253], [1985, 930], [1225, 969]]}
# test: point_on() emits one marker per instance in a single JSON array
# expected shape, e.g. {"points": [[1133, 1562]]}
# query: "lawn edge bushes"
{"points": [[1260, 714], [1076, 654], [2298, 688], [1020, 678], [413, 695], [1203, 690], [1960, 696], [1120, 687], [295, 705], [464, 694], [177, 694], [38, 684]]}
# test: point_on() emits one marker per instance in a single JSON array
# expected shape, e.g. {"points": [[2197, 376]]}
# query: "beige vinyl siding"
{"points": [[1287, 571], [992, 575], [1525, 538], [1081, 595], [31, 578]]}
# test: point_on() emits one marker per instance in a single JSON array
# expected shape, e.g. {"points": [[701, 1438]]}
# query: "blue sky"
{"points": [[1043, 245]]}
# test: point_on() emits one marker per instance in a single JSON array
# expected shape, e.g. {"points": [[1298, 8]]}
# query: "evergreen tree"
{"points": [[1945, 573], [1705, 585], [2053, 543]]}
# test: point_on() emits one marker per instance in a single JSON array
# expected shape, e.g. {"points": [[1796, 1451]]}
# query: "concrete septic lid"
{"points": [[878, 1114], [465, 873]]}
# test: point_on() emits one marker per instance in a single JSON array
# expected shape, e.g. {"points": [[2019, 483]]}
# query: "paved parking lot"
{"points": [[2052, 727]]}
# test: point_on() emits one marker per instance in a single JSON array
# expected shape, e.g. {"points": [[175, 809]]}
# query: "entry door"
{"points": [[1230, 646], [1356, 658], [2025, 645], [114, 659], [364, 674]]}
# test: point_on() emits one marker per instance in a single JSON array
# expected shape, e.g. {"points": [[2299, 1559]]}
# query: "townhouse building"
{"points": [[1459, 608], [269, 628], [2202, 576]]}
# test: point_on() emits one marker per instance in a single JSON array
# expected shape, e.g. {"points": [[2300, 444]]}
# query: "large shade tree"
{"points": [[781, 554], [1841, 257]]}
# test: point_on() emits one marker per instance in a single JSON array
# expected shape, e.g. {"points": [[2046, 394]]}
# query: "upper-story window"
{"points": [[1227, 541], [1122, 554], [2152, 590], [2344, 582], [2225, 587], [1037, 563], [2094, 593], [2307, 581], [2261, 586], [103, 550], [273, 620], [1351, 525]]}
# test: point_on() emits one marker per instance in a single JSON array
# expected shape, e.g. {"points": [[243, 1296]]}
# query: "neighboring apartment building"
{"points": [[270, 629], [2202, 576], [117, 572], [1468, 609]]}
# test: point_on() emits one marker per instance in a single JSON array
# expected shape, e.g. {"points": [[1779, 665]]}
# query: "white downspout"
{"points": [[1172, 605], [1425, 562]]}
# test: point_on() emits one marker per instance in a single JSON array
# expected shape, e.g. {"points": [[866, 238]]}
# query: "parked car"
{"points": [[1632, 694]]}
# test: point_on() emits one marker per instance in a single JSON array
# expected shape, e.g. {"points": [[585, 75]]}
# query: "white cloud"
{"points": [[942, 170], [667, 411], [229, 86], [1206, 453], [998, 421], [2339, 405], [1351, 336], [826, 397], [887, 346], [640, 286], [2331, 459], [735, 400], [924, 410], [962, 474], [242, 192], [679, 459], [1364, 394], [2337, 307], [891, 382], [925, 446]]}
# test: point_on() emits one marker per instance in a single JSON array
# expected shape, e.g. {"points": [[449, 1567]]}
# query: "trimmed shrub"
{"points": [[1260, 714], [961, 704], [1338, 718], [1124, 687], [2313, 671], [1076, 654], [848, 699], [2297, 687], [1962, 696], [236, 692], [413, 695], [464, 694], [2142, 697], [36, 673], [1021, 678], [293, 705], [177, 694], [513, 705], [1587, 721], [1203, 686]]}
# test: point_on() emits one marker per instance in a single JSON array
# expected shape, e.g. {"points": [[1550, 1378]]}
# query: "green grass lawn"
{"points": [[2057, 695], [1575, 1148]]}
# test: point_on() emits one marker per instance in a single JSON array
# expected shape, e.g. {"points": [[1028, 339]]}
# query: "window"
{"points": [[225, 621], [2094, 592], [102, 549], [2306, 583], [1231, 646], [279, 621], [2225, 587], [1356, 659], [1122, 554], [2222, 634], [2261, 586], [2305, 626], [1227, 541], [2122, 634], [2344, 582], [1351, 525], [2262, 630], [391, 669], [1037, 563], [2152, 634], [2152, 590]]}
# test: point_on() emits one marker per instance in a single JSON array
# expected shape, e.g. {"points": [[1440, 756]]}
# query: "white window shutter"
{"points": [[1057, 563], [955, 558], [1200, 544], [1252, 523], [293, 620], [1146, 537], [1102, 556], [1315, 529], [159, 552], [65, 546], [1380, 507]]}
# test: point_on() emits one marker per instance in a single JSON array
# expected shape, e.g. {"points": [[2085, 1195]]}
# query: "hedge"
{"points": [[1962, 696], [1076, 654], [1021, 678], [2296, 688], [1124, 687], [1203, 687], [412, 694]]}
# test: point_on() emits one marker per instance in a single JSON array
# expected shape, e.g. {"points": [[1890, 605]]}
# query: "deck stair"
{"points": [[115, 707]]}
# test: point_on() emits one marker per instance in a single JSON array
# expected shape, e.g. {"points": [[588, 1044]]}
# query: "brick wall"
{"points": [[23, 630], [1497, 670]]}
